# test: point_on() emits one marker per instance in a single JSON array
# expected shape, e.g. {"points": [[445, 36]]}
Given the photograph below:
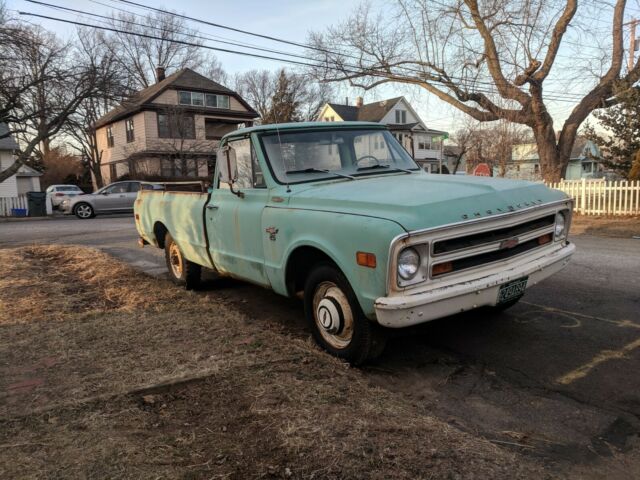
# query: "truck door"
{"points": [[234, 222]]}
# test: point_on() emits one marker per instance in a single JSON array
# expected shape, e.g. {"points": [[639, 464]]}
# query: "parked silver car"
{"points": [[59, 193], [117, 197]]}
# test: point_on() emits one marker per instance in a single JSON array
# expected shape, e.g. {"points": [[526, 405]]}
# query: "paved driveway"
{"points": [[556, 376]]}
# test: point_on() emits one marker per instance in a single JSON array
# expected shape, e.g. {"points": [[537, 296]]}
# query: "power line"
{"points": [[365, 71], [121, 20], [279, 52]]}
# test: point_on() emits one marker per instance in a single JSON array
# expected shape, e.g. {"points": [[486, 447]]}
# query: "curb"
{"points": [[30, 219]]}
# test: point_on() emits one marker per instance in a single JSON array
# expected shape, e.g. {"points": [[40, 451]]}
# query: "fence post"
{"points": [[583, 196]]}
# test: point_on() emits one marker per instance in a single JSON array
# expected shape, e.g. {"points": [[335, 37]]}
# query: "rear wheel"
{"points": [[182, 271], [84, 211], [336, 320]]}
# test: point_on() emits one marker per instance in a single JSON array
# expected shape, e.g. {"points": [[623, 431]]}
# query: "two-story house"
{"points": [[171, 129], [422, 143], [585, 162]]}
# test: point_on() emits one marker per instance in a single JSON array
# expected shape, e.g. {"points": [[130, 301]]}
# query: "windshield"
{"points": [[308, 156]]}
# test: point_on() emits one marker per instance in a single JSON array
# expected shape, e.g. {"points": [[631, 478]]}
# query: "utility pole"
{"points": [[632, 44]]}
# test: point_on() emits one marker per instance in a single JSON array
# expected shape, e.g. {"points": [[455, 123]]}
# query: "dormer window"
{"points": [[199, 99], [401, 116]]}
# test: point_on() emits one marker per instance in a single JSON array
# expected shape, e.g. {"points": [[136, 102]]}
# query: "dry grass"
{"points": [[617, 227], [107, 373]]}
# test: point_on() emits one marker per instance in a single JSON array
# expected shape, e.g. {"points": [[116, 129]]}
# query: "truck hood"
{"points": [[422, 200]]}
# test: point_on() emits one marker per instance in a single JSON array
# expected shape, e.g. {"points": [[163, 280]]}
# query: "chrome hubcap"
{"points": [[84, 211], [175, 259], [333, 315]]}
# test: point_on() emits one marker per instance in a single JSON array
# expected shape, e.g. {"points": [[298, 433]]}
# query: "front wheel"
{"points": [[84, 211], [182, 271], [337, 322]]}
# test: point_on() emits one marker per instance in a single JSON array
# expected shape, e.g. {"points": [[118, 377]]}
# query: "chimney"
{"points": [[160, 74], [358, 102]]}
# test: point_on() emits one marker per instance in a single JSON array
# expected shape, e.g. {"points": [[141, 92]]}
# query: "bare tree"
{"points": [[91, 49], [176, 47], [474, 55], [257, 88], [39, 88], [303, 94], [491, 144]]}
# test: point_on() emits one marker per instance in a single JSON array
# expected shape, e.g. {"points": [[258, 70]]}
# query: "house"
{"points": [[422, 143], [25, 180], [171, 129], [584, 162]]}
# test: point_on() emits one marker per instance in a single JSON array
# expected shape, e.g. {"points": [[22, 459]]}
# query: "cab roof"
{"points": [[279, 127]]}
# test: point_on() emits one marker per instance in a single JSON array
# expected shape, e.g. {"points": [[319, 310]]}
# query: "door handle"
{"points": [[212, 207]]}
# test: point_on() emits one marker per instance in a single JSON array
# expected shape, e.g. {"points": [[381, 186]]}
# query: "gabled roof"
{"points": [[370, 112], [182, 79], [8, 142], [27, 171], [348, 113]]}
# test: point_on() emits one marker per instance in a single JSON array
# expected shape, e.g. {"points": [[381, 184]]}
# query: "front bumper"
{"points": [[406, 310]]}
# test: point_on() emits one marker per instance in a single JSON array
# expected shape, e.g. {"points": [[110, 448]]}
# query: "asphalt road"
{"points": [[557, 376]]}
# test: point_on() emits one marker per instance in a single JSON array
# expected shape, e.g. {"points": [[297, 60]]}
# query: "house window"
{"points": [[217, 101], [112, 172], [184, 98], [197, 99], [176, 125], [536, 169], [129, 128], [109, 136], [401, 116]]}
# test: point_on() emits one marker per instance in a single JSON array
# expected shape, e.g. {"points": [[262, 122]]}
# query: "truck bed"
{"points": [[177, 209]]}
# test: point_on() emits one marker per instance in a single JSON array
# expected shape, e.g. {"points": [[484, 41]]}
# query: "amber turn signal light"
{"points": [[441, 268], [545, 239], [366, 259]]}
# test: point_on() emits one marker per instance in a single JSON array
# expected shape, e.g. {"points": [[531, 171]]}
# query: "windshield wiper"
{"points": [[394, 169], [318, 170]]}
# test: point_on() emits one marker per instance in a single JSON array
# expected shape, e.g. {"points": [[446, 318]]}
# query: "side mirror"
{"points": [[104, 192], [228, 165], [229, 169]]}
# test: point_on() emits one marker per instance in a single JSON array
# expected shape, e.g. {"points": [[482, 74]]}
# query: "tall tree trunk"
{"points": [[552, 167]]}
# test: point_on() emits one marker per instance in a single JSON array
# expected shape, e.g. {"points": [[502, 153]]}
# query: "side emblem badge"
{"points": [[272, 231]]}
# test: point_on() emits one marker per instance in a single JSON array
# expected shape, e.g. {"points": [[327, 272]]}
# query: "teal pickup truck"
{"points": [[340, 214]]}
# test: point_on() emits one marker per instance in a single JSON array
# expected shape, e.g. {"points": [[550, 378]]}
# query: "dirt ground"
{"points": [[108, 373], [618, 227]]}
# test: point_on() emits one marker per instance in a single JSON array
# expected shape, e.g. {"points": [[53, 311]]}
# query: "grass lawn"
{"points": [[108, 373]]}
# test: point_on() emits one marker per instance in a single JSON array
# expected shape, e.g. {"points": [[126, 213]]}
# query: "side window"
{"points": [[118, 188], [258, 177], [249, 172], [134, 186]]}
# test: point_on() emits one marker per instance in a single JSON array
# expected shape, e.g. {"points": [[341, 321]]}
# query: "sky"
{"points": [[294, 19]]}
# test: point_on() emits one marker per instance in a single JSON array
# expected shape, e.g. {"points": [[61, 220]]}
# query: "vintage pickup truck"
{"points": [[340, 214]]}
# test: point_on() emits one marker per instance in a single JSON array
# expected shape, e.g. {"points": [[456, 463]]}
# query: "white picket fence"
{"points": [[9, 203], [599, 197]]}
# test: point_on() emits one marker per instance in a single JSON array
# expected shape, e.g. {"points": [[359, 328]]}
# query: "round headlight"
{"points": [[561, 225], [408, 263]]}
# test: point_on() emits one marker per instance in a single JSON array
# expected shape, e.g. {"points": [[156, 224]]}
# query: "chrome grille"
{"points": [[483, 238]]}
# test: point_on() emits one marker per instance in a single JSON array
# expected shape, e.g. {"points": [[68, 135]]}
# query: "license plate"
{"points": [[512, 290]]}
